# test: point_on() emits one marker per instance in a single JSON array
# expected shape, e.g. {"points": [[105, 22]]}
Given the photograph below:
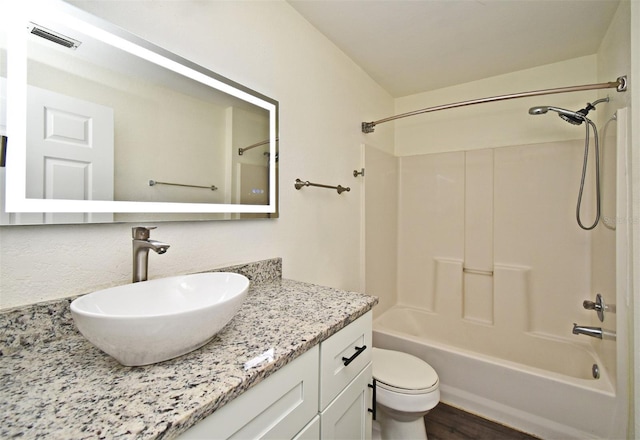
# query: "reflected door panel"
{"points": [[70, 152]]}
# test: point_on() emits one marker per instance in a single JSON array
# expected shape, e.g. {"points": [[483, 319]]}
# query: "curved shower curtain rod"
{"points": [[620, 85]]}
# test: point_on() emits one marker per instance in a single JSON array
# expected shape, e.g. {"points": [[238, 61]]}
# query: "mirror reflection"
{"points": [[108, 121]]}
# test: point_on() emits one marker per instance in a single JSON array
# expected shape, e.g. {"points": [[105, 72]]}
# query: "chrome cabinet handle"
{"points": [[359, 350]]}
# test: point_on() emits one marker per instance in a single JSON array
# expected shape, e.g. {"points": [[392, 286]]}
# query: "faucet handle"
{"points": [[590, 305], [599, 306], [141, 232]]}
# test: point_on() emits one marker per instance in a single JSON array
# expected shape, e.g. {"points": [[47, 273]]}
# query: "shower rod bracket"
{"points": [[368, 127], [620, 84]]}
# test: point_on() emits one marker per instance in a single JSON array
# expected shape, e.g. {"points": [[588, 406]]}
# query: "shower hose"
{"points": [[584, 173]]}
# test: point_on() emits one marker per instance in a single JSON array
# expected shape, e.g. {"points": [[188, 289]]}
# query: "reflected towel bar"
{"points": [[155, 182], [300, 183]]}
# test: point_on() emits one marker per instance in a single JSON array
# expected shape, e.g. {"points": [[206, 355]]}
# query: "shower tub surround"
{"points": [[542, 386], [492, 271], [55, 384]]}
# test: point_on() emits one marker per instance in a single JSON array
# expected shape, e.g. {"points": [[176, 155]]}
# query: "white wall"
{"points": [[323, 99]]}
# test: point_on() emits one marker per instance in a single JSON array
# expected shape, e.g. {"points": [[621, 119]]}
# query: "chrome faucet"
{"points": [[595, 332], [141, 245]]}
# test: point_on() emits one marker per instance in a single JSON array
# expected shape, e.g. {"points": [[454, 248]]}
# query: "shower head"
{"points": [[575, 118], [564, 113], [541, 110]]}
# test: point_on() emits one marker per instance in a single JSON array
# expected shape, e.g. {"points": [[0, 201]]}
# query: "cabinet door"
{"points": [[311, 431], [277, 408], [348, 416]]}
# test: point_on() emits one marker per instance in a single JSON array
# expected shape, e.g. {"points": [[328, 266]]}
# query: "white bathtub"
{"points": [[543, 387]]}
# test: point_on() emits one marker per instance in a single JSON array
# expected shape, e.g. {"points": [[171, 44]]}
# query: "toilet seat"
{"points": [[403, 373]]}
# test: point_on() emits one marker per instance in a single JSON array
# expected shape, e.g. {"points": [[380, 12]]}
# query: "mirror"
{"points": [[103, 126]]}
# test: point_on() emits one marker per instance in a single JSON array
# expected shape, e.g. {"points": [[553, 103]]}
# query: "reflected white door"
{"points": [[69, 152]]}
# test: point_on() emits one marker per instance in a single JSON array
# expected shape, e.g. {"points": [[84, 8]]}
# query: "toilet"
{"points": [[406, 389]]}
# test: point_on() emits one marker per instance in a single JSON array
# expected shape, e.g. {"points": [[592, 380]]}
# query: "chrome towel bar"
{"points": [[155, 182], [300, 183]]}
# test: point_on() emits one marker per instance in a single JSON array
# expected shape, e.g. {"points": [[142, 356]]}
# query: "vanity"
{"points": [[55, 384]]}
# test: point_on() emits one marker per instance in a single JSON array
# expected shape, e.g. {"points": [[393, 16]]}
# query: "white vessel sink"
{"points": [[152, 321]]}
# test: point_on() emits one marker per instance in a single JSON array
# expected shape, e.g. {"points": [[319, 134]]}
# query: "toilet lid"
{"points": [[402, 370]]}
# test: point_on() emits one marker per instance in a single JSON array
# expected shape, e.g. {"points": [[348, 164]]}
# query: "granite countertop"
{"points": [[62, 387]]}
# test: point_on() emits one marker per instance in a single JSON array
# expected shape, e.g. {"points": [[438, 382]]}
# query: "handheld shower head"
{"points": [[564, 113], [575, 118], [541, 110]]}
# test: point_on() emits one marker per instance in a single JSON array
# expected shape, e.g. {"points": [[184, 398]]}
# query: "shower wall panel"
{"points": [[507, 215], [478, 299], [535, 197], [431, 225], [380, 223]]}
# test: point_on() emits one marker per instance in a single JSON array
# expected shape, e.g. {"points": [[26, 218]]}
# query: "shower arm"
{"points": [[598, 101], [620, 85]]}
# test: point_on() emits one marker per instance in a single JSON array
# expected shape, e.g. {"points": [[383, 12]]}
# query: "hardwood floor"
{"points": [[445, 422]]}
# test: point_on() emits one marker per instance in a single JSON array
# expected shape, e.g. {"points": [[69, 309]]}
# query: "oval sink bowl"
{"points": [[152, 321]]}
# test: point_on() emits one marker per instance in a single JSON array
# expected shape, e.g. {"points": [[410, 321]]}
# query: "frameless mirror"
{"points": [[103, 126]]}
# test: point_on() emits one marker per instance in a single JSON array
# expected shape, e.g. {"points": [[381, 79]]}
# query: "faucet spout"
{"points": [[141, 246], [156, 246], [595, 332]]}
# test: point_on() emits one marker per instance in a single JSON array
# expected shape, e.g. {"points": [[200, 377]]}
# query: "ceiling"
{"points": [[412, 46]]}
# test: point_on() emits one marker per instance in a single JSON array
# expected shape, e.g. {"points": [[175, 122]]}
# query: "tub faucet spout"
{"points": [[595, 332], [141, 246]]}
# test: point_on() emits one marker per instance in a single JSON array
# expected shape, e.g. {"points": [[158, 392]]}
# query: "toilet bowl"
{"points": [[406, 389]]}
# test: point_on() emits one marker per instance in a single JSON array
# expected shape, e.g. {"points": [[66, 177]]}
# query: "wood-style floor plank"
{"points": [[445, 422]]}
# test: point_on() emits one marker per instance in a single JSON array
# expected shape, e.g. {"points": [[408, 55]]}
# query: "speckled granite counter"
{"points": [[56, 385]]}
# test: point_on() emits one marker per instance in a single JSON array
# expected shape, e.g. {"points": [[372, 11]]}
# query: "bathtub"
{"points": [[541, 385]]}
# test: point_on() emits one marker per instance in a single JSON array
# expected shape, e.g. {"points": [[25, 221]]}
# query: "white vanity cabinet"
{"points": [[314, 397]]}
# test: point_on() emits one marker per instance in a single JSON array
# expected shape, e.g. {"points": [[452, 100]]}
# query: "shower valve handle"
{"points": [[590, 305], [599, 306]]}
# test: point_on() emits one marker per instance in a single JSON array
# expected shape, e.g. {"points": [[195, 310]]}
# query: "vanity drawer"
{"points": [[352, 343], [277, 408]]}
